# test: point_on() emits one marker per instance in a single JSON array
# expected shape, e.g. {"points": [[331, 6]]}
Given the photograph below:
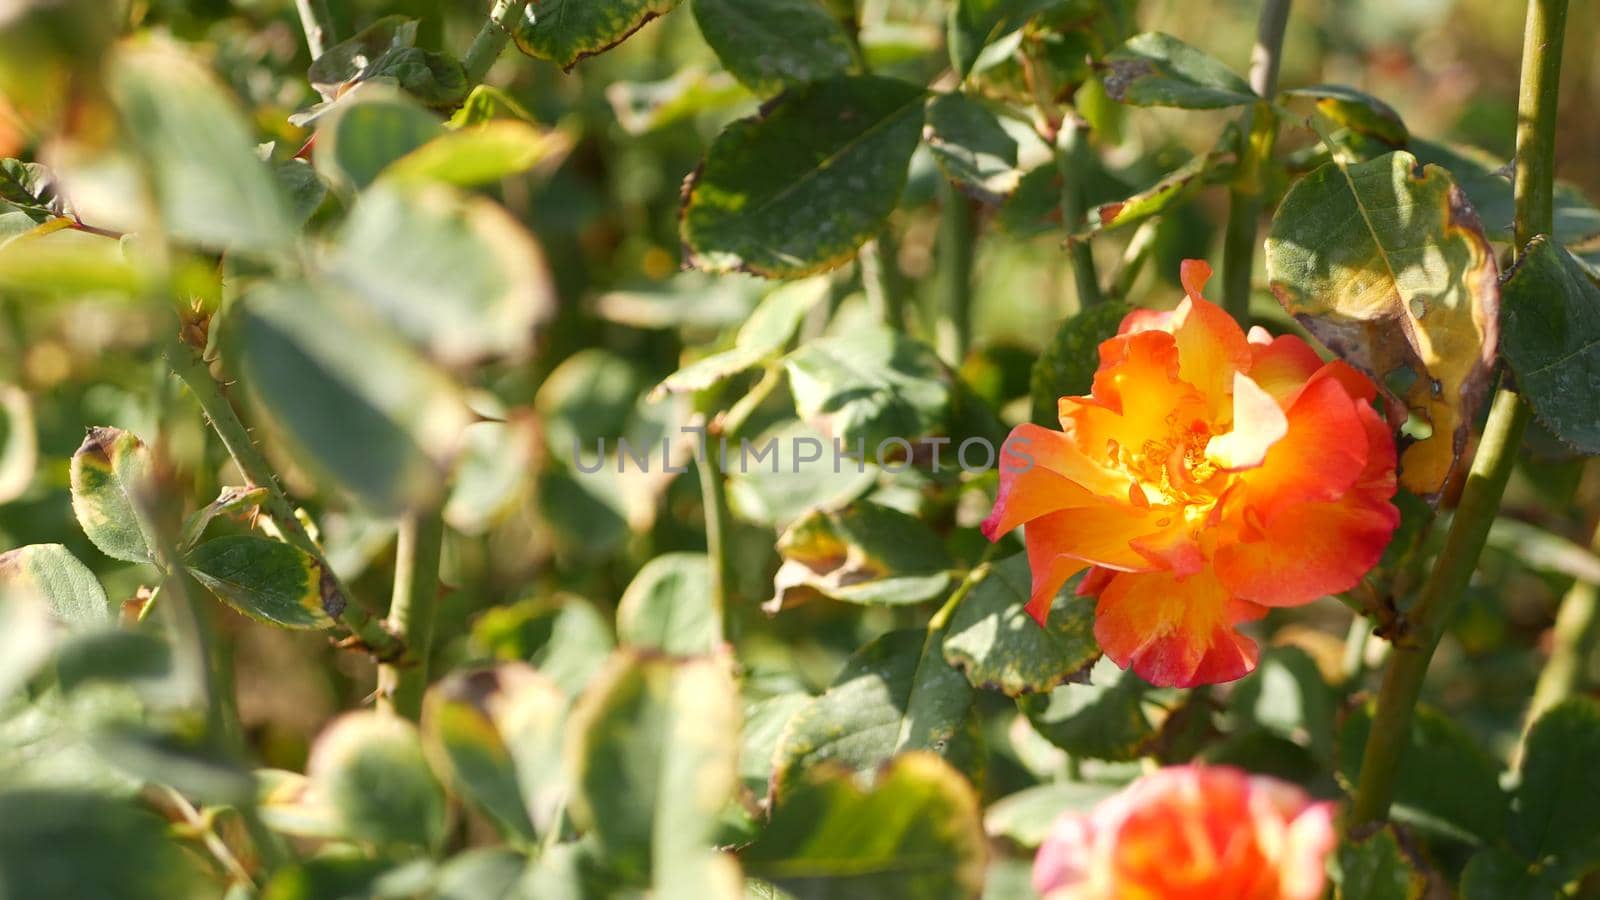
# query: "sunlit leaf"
{"points": [[799, 188], [761, 338], [482, 154], [354, 402], [972, 147], [211, 187], [913, 832], [566, 31], [1105, 718], [896, 694], [667, 607], [651, 764], [864, 553], [369, 768], [1000, 648], [368, 130], [1155, 69], [1026, 816], [111, 481], [872, 389], [1385, 262], [50, 573], [1358, 111], [472, 284], [267, 580]]}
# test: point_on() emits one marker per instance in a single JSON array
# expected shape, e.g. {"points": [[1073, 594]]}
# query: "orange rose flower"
{"points": [[1191, 832], [1207, 477]]}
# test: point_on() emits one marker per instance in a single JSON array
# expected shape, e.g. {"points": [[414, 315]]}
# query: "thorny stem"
{"points": [[412, 611], [190, 365], [491, 39], [1258, 132], [1502, 435]]}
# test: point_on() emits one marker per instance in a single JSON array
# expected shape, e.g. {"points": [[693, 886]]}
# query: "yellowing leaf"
{"points": [[1386, 263]]}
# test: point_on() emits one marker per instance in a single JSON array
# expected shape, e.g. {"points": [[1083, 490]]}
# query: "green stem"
{"points": [[1577, 626], [957, 250], [412, 610], [317, 24], [1072, 156], [880, 279], [188, 364], [1440, 595], [491, 39], [1259, 130], [1502, 435], [714, 496]]}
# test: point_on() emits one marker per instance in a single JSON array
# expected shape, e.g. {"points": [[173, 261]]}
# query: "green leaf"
{"points": [[347, 875], [188, 764], [111, 480], [1446, 783], [567, 31], [770, 45], [895, 694], [652, 761], [776, 494], [1172, 190], [667, 607], [496, 735], [913, 834], [1357, 111], [56, 843], [1026, 817], [1375, 868], [870, 389], [1495, 874], [764, 723], [864, 553], [761, 339], [267, 580], [51, 574], [368, 130], [488, 103], [1066, 367], [235, 501], [480, 154], [1487, 183], [1385, 262], [482, 873], [472, 283], [57, 260], [370, 768], [642, 107], [1103, 719], [304, 188], [801, 187], [971, 146], [1287, 696], [211, 187], [353, 402], [585, 400], [353, 58], [975, 24], [1557, 797], [1155, 69], [1550, 336], [1000, 648], [566, 640]]}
